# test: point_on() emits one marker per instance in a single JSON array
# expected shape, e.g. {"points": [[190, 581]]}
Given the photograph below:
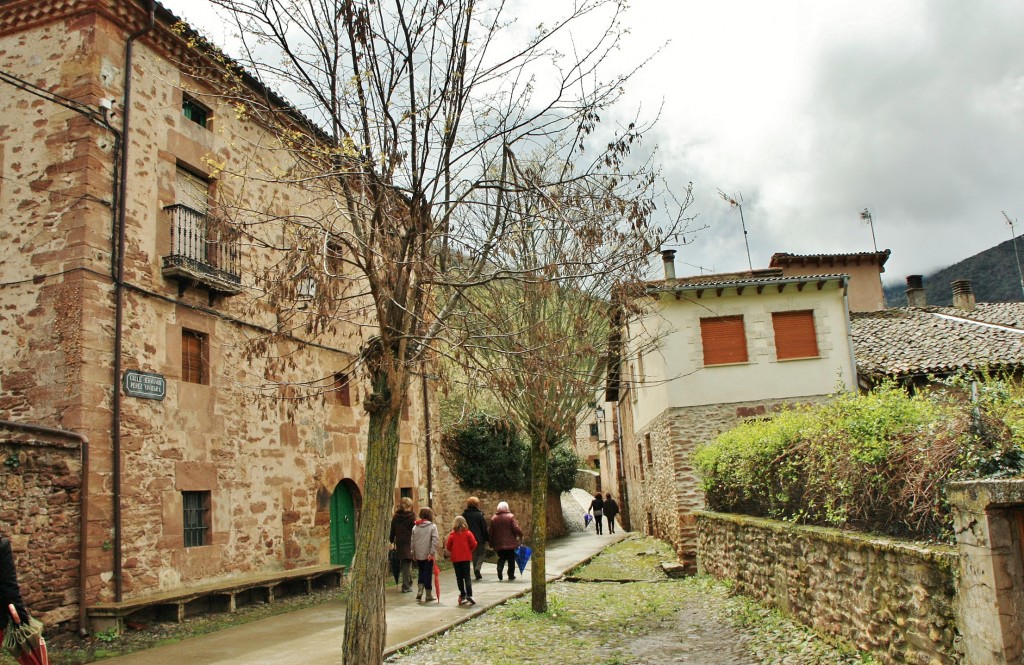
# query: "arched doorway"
{"points": [[343, 523]]}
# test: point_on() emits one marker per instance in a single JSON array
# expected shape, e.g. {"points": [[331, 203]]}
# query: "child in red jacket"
{"points": [[460, 545]]}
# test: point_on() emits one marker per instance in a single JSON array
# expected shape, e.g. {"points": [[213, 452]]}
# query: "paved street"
{"points": [[315, 634]]}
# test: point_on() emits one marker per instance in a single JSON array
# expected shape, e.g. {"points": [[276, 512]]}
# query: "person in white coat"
{"points": [[424, 549]]}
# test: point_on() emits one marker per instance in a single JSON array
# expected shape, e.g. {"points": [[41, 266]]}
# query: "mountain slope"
{"points": [[993, 273]]}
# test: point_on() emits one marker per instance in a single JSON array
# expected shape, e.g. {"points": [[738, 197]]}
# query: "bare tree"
{"points": [[405, 114], [543, 337]]}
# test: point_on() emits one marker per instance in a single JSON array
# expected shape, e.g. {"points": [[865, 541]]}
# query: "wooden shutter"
{"points": [[193, 362], [724, 340], [193, 191], [342, 391], [794, 334]]}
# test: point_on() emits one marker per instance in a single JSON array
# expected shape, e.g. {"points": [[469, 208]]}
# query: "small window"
{"points": [[650, 450], [795, 336], [724, 340], [195, 111], [593, 429], [196, 513], [640, 458], [405, 492], [341, 390], [195, 364]]}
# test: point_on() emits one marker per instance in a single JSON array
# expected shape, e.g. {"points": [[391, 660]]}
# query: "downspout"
{"points": [[122, 204], [426, 436], [855, 379], [621, 464], [83, 506]]}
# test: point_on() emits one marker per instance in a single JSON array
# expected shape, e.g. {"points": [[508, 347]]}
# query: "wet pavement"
{"points": [[315, 634]]}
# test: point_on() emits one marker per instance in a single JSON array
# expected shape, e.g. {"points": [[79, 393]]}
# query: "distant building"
{"points": [[864, 268]]}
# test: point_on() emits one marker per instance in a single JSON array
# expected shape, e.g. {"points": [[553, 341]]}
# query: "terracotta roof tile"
{"points": [[909, 340]]}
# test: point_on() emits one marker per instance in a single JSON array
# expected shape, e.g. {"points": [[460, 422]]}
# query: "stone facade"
{"points": [[270, 456], [988, 517], [894, 599]]}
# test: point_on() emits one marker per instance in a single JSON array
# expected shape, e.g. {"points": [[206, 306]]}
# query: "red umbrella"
{"points": [[26, 643], [437, 582]]}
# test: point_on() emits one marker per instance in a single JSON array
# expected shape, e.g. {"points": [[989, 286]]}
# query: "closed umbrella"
{"points": [[523, 556], [25, 641], [437, 582]]}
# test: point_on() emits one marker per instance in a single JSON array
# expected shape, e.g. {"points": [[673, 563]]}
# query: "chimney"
{"points": [[916, 296], [963, 294], [668, 257]]}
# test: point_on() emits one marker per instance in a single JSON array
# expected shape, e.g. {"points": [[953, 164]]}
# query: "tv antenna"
{"points": [[866, 216], [737, 202], [1013, 236]]}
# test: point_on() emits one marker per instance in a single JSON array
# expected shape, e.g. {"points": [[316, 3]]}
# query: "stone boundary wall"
{"points": [[894, 599], [40, 510]]}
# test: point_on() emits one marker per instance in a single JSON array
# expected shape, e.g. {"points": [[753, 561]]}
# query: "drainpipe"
{"points": [[855, 379], [83, 505], [122, 205], [426, 435]]}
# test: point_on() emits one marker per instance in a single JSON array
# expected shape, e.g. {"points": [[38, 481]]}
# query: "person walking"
{"points": [[10, 592], [478, 525], [597, 509], [611, 509], [400, 538], [424, 549], [460, 545], [505, 537]]}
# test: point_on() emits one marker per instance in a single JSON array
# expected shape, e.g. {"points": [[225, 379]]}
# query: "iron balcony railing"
{"points": [[203, 249]]}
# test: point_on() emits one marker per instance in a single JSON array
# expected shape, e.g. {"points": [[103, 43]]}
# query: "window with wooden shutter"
{"points": [[724, 340], [194, 362], [341, 390], [795, 336]]}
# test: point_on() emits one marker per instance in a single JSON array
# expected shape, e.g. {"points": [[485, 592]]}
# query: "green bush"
{"points": [[875, 462], [489, 454]]}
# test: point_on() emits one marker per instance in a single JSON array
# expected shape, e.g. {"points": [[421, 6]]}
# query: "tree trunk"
{"points": [[365, 625], [539, 501]]}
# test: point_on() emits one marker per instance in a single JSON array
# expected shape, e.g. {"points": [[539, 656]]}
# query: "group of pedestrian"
{"points": [[603, 507], [416, 540]]}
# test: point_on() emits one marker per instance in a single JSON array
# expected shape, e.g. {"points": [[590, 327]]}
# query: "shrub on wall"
{"points": [[875, 462], [489, 454]]}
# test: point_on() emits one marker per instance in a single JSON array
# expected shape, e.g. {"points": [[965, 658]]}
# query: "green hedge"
{"points": [[875, 462], [489, 454]]}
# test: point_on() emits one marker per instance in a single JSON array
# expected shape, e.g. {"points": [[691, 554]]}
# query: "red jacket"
{"points": [[461, 545]]}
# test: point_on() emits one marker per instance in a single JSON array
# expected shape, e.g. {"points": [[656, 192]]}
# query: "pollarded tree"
{"points": [[403, 116], [543, 337]]}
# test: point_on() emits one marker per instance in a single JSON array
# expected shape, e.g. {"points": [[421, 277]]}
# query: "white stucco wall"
{"points": [[674, 374]]}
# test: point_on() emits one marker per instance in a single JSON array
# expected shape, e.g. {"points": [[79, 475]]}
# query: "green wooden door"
{"points": [[343, 526]]}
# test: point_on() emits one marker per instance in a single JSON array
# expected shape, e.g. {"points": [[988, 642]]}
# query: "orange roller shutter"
{"points": [[724, 340], [795, 336]]}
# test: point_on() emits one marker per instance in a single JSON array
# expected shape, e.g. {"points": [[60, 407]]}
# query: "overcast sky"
{"points": [[814, 111]]}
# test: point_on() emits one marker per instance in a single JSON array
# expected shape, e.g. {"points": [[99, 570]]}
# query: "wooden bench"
{"points": [[225, 595]]}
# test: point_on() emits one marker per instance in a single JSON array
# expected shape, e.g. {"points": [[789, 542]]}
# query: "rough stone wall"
{"points": [[664, 501], [894, 599], [450, 500], [41, 484]]}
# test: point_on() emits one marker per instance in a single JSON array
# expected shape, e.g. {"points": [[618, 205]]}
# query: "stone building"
{"points": [[146, 450], [714, 351]]}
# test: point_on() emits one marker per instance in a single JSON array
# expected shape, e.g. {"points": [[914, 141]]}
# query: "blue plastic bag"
{"points": [[586, 520], [523, 556]]}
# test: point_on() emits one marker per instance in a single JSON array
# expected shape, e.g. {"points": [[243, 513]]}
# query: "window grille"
{"points": [[196, 509]]}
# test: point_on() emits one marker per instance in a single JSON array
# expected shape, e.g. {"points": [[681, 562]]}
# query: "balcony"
{"points": [[204, 252]]}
